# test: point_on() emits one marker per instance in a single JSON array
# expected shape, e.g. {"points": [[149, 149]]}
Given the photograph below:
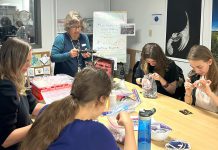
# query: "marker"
{"points": [[106, 113]]}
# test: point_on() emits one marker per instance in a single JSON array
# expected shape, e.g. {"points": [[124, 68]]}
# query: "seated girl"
{"points": [[164, 71], [69, 123], [202, 85]]}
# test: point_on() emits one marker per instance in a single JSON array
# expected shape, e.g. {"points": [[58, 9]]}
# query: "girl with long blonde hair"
{"points": [[16, 102]]}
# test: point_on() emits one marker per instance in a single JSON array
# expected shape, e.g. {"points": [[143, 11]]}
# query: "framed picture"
{"points": [[183, 27], [127, 29], [47, 70], [30, 72], [39, 71]]}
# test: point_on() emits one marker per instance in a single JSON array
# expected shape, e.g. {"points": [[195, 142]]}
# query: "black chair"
{"points": [[180, 90], [134, 71]]}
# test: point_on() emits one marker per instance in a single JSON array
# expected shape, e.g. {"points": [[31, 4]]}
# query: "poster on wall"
{"points": [[214, 38], [107, 39], [183, 27]]}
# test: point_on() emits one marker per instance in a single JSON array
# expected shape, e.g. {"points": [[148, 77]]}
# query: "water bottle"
{"points": [[149, 87], [144, 129]]}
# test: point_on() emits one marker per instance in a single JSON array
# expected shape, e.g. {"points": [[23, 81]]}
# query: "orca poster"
{"points": [[183, 27]]}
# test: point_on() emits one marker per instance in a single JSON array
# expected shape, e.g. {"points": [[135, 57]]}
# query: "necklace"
{"points": [[76, 44]]}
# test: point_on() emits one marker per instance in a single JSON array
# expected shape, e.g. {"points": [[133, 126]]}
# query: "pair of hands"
{"points": [[202, 84], [75, 52], [123, 119], [155, 76]]}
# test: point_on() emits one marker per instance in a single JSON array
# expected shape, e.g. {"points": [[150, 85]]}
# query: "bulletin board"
{"points": [[40, 65], [107, 38]]}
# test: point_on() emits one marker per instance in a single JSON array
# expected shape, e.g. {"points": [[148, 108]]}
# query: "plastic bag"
{"points": [[127, 103], [116, 130], [149, 86]]}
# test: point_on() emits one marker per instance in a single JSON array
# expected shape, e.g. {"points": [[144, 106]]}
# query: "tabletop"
{"points": [[199, 129]]}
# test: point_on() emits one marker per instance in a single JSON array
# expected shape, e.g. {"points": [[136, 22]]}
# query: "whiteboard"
{"points": [[107, 40]]}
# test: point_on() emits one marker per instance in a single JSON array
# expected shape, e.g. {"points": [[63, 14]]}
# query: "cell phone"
{"points": [[185, 112]]}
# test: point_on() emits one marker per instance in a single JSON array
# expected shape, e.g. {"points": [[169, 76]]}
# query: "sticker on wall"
{"points": [[156, 19]]}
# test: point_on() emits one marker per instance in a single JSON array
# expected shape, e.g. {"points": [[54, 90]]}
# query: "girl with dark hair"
{"points": [[16, 102], [164, 71], [202, 85], [69, 123]]}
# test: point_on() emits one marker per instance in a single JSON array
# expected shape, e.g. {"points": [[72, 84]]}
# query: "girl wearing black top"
{"points": [[164, 71], [16, 103]]}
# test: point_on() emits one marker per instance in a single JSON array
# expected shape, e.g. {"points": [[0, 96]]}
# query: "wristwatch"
{"points": [[166, 85]]}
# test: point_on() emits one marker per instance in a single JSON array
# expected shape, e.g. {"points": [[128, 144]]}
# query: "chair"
{"points": [[134, 71]]}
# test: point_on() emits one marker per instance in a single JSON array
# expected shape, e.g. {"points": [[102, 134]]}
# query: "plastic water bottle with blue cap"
{"points": [[144, 129]]}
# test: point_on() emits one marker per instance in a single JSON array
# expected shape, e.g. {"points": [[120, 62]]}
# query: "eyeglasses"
{"points": [[76, 27]]}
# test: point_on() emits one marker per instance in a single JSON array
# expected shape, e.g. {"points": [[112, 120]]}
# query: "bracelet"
{"points": [[166, 85]]}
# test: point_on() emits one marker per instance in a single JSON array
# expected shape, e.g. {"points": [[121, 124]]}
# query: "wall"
{"points": [[141, 12], [85, 7], [49, 15], [138, 13], [12, 3], [47, 24]]}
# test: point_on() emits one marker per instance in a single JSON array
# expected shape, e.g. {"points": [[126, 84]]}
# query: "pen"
{"points": [[106, 113]]}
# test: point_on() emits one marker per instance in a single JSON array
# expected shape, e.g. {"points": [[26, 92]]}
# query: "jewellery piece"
{"points": [[76, 44], [166, 85]]}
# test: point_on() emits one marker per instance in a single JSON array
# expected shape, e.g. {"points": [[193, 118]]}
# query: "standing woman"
{"points": [[16, 102], [202, 85], [164, 71], [66, 47]]}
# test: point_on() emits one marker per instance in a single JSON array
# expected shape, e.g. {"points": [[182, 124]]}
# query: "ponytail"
{"points": [[59, 114], [50, 123]]}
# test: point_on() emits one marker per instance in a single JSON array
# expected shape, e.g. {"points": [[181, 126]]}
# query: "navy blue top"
{"points": [[84, 135], [60, 54], [14, 113]]}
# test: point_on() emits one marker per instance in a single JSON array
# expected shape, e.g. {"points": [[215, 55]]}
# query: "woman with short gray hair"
{"points": [[67, 46]]}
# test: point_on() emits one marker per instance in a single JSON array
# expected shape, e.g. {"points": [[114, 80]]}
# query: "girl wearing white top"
{"points": [[202, 85]]}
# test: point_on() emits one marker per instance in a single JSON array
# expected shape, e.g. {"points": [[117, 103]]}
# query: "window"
{"points": [[22, 19]]}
